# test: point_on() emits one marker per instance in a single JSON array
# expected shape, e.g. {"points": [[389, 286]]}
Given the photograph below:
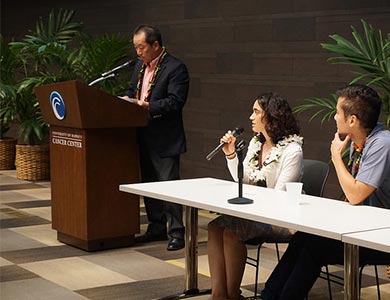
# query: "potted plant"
{"points": [[45, 59], [7, 143], [371, 53], [8, 64], [32, 152]]}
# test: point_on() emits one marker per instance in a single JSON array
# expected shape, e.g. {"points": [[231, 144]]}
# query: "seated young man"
{"points": [[365, 180]]}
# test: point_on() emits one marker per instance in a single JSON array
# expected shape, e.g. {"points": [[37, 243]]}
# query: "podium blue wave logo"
{"points": [[58, 105]]}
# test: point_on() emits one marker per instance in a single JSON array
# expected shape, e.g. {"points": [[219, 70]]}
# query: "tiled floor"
{"points": [[35, 266]]}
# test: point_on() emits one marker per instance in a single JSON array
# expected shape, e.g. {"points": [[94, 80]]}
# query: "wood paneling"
{"points": [[91, 155], [234, 51]]}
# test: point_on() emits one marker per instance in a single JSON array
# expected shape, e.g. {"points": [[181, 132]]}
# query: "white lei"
{"points": [[255, 174]]}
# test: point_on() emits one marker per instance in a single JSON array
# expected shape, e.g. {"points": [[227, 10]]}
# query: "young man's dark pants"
{"points": [[301, 265]]}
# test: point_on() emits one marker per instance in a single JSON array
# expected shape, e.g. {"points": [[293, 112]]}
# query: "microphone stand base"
{"points": [[240, 200]]}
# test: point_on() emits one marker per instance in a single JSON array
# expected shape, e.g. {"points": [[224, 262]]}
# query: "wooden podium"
{"points": [[93, 150]]}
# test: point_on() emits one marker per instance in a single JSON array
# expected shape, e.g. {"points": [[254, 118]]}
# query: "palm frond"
{"points": [[57, 28], [46, 47], [324, 107], [370, 51], [100, 54], [9, 62]]}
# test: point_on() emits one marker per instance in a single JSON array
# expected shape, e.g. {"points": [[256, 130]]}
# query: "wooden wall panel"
{"points": [[234, 51]]}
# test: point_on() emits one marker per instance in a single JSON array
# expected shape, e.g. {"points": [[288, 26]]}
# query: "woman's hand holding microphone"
{"points": [[230, 148]]}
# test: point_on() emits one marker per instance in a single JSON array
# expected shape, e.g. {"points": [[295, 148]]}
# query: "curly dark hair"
{"points": [[280, 121], [361, 101]]}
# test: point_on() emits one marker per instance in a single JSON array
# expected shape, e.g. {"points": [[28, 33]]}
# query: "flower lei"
{"points": [[152, 81], [258, 175], [358, 157]]}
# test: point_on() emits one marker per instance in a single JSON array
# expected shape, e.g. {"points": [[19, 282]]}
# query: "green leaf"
{"points": [[325, 107], [343, 43]]}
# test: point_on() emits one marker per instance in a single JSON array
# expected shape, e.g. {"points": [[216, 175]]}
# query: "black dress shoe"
{"points": [[148, 237], [175, 244]]}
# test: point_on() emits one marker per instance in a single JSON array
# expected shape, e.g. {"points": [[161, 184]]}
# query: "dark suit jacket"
{"points": [[165, 131]]}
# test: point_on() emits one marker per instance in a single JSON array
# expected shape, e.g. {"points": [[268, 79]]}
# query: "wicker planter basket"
{"points": [[32, 162], [7, 153]]}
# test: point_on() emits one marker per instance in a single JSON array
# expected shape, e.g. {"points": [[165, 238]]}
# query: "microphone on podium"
{"points": [[236, 132], [113, 72], [128, 63]]}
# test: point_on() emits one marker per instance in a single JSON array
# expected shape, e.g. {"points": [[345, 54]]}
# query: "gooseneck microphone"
{"points": [[128, 63], [113, 72], [236, 132]]}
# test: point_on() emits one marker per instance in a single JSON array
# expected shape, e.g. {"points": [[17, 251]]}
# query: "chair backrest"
{"points": [[315, 173]]}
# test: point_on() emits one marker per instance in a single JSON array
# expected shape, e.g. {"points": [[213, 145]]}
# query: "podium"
{"points": [[93, 150]]}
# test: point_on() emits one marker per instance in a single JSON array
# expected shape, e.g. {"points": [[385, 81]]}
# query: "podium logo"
{"points": [[58, 105]]}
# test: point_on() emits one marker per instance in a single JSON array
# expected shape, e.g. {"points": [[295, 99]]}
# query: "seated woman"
{"points": [[274, 157]]}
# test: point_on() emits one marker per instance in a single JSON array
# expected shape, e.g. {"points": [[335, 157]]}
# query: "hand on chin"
{"points": [[342, 135]]}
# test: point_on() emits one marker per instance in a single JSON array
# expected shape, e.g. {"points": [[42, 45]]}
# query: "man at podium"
{"points": [[160, 84]]}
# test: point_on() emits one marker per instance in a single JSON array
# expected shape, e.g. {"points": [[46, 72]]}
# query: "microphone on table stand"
{"points": [[240, 174]]}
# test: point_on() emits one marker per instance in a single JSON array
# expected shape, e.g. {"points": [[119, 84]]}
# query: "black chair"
{"points": [[314, 177], [374, 263], [340, 280]]}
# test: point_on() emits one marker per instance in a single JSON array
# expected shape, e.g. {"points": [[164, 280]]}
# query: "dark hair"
{"points": [[152, 34], [363, 102], [280, 121]]}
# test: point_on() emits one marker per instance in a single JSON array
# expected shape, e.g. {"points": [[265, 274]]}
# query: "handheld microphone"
{"points": [[128, 63], [236, 132]]}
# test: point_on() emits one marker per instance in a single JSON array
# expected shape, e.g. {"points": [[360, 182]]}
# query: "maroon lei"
{"points": [[355, 160]]}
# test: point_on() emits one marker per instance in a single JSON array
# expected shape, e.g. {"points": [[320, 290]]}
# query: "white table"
{"points": [[378, 239], [315, 215]]}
